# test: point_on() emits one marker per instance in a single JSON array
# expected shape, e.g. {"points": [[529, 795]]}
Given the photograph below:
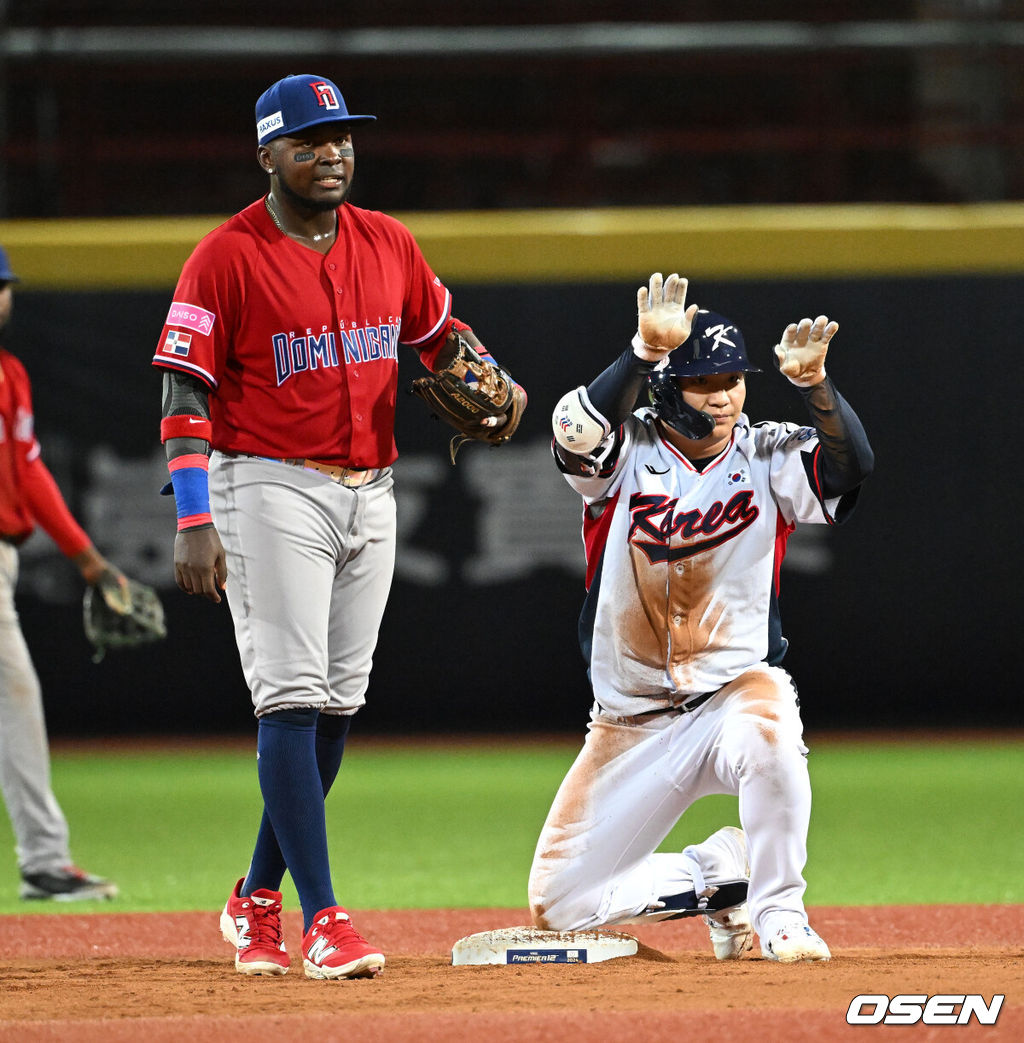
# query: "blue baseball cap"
{"points": [[298, 102], [6, 275]]}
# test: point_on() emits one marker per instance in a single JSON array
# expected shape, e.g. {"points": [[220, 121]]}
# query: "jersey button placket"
{"points": [[677, 611]]}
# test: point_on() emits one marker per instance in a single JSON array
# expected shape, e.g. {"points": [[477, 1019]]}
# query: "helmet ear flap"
{"points": [[666, 398]]}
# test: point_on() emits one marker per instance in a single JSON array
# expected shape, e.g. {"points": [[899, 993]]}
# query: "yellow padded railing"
{"points": [[586, 245]]}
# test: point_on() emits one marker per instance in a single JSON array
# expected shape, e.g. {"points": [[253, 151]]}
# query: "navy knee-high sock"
{"points": [[268, 867], [293, 800], [331, 732]]}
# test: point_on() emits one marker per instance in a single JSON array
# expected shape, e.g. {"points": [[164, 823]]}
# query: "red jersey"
{"points": [[300, 348], [28, 493]]}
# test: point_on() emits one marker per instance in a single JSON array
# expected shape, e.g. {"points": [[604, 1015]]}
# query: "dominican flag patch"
{"points": [[177, 343]]}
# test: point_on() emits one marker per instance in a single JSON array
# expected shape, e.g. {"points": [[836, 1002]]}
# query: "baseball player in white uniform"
{"points": [[687, 507]]}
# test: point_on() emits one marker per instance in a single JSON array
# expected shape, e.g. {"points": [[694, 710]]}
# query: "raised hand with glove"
{"points": [[800, 355], [846, 457], [663, 320]]}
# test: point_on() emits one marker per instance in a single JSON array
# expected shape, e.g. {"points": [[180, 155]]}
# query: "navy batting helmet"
{"points": [[714, 345]]}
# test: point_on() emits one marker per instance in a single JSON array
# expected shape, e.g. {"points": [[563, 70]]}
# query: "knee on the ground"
{"points": [[540, 906], [547, 917], [553, 907]]}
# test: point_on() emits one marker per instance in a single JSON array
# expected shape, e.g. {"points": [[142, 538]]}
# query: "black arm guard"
{"points": [[615, 391], [846, 455]]}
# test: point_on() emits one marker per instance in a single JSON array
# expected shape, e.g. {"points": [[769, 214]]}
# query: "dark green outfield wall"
{"points": [[905, 616]]}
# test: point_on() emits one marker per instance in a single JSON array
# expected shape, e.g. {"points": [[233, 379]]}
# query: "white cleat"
{"points": [[723, 856], [731, 933], [795, 943]]}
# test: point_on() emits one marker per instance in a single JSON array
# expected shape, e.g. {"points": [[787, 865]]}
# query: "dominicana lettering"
{"points": [[325, 350]]}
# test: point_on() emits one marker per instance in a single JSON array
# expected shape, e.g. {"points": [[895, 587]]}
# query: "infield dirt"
{"points": [[123, 978]]}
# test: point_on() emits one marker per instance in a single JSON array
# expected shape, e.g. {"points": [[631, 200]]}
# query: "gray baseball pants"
{"points": [[310, 564], [40, 829]]}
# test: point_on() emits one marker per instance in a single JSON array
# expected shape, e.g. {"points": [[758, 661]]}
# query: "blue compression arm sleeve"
{"points": [[846, 456], [614, 392]]}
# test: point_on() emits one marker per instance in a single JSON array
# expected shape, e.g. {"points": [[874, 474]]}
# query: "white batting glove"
{"points": [[663, 320], [803, 348]]}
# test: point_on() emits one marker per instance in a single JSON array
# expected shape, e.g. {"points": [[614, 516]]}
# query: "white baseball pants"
{"points": [[595, 862]]}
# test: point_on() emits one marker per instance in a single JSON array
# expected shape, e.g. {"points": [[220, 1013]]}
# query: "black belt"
{"points": [[639, 718], [16, 540]]}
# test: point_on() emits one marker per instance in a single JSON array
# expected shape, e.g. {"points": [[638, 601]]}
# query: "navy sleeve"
{"points": [[614, 392], [846, 456]]}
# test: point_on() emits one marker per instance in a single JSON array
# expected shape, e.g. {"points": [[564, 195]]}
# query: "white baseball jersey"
{"points": [[682, 564]]}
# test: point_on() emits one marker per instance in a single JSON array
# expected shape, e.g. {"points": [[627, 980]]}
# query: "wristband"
{"points": [[469, 376], [640, 346], [186, 426], [191, 482]]}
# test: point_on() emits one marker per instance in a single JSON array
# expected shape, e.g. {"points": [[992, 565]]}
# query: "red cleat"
{"points": [[253, 926], [333, 948]]}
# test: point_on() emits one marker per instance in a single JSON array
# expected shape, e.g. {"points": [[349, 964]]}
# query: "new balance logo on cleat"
{"points": [[333, 948], [252, 924], [320, 950]]}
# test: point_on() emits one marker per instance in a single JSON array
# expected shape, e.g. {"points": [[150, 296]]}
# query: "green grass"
{"points": [[423, 825], [917, 823]]}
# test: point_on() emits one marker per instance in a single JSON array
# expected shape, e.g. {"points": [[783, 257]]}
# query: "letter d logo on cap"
{"points": [[326, 98]]}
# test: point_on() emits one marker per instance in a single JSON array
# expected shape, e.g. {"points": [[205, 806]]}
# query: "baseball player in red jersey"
{"points": [[687, 506], [28, 497], [280, 354]]}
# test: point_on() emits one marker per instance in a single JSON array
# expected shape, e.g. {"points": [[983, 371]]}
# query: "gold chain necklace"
{"points": [[295, 235]]}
